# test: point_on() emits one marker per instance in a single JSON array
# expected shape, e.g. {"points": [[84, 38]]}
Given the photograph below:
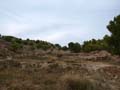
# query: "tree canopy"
{"points": [[114, 41]]}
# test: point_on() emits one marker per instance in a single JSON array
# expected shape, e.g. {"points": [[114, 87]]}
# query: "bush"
{"points": [[95, 45], [15, 46], [74, 82]]}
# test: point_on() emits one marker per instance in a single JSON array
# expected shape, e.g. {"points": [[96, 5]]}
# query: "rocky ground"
{"points": [[83, 71]]}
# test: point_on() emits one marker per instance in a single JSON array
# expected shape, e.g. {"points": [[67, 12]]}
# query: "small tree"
{"points": [[74, 47], [37, 41], [64, 48], [58, 46]]}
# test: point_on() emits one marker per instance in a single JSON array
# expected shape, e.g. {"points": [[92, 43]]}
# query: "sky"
{"points": [[57, 21]]}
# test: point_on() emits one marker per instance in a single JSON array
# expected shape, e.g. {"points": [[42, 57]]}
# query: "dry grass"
{"points": [[54, 74]]}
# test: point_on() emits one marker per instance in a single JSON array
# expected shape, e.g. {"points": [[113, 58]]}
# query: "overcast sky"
{"points": [[57, 21]]}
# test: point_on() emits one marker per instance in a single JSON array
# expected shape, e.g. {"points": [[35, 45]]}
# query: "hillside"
{"points": [[27, 68], [17, 47]]}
